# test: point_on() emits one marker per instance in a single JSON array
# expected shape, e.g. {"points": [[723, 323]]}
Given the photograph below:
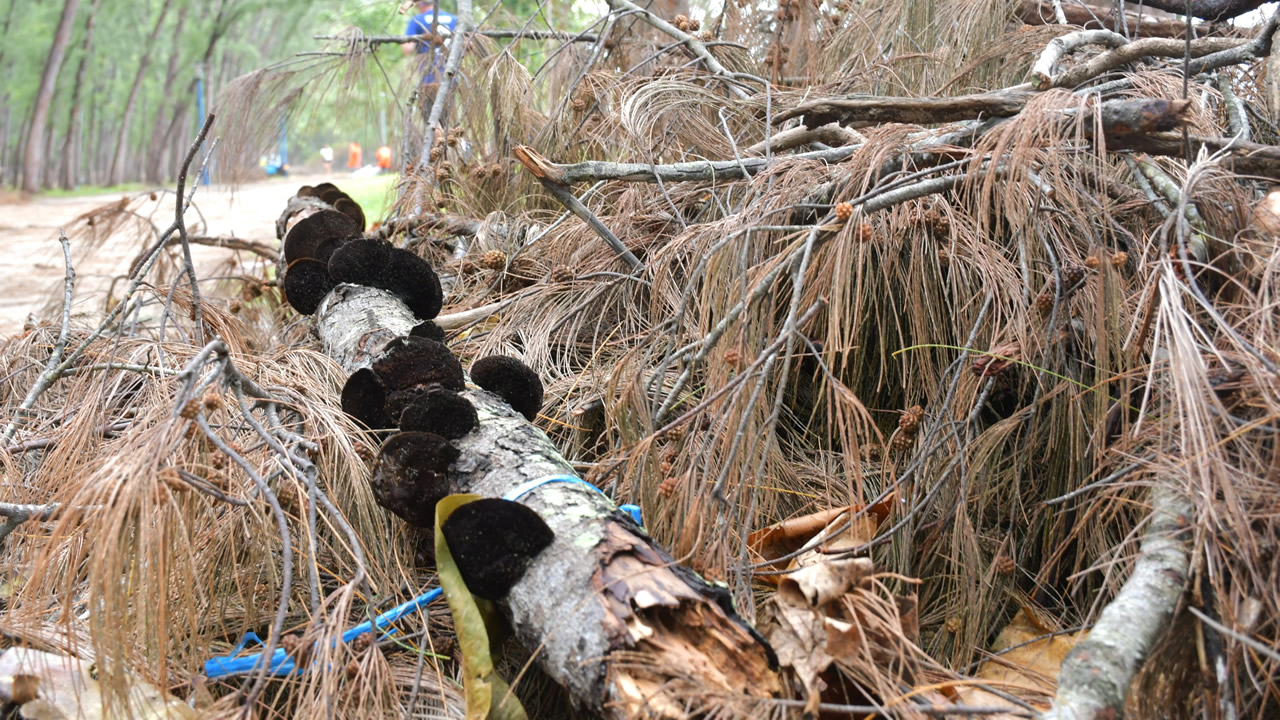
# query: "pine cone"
{"points": [[493, 260], [902, 443], [909, 422], [1006, 565], [562, 274], [844, 211]]}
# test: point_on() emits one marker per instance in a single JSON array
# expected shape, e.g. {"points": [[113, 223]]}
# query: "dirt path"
{"points": [[31, 268]]}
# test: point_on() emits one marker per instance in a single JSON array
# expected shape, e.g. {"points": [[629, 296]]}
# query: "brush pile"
{"points": [[988, 301]]}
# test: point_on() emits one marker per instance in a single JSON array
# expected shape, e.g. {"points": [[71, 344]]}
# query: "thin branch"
{"points": [[188, 267], [53, 368], [694, 44], [1095, 676], [536, 165], [514, 33]]}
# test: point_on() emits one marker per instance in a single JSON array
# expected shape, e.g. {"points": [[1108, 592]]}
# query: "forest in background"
{"points": [[123, 104]]}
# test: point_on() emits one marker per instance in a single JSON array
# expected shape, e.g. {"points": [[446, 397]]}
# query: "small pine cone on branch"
{"points": [[562, 274], [1006, 565], [902, 443], [844, 211], [909, 422], [1071, 276], [670, 485], [493, 260]]}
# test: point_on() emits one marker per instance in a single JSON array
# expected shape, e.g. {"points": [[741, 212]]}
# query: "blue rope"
{"points": [[282, 664]]}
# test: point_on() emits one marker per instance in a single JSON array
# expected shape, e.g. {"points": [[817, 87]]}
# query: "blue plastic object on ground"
{"points": [[282, 664]]}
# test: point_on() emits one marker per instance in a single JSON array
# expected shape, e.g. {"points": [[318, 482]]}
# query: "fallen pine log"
{"points": [[606, 611]]}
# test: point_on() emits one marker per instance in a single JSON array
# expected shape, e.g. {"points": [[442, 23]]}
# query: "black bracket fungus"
{"points": [[443, 412], [305, 285], [305, 238], [351, 209], [511, 380], [428, 330], [322, 188], [361, 261], [364, 398], [374, 262], [492, 542], [411, 279], [410, 366], [409, 476]]}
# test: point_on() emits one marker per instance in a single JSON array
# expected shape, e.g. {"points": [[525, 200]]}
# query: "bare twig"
{"points": [[694, 44], [17, 513], [514, 33], [456, 49], [537, 165], [188, 267], [53, 368]]}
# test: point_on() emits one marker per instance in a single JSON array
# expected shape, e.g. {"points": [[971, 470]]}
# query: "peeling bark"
{"points": [[1095, 677], [606, 611]]}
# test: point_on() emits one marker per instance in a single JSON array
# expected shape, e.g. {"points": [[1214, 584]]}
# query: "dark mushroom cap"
{"points": [[326, 248], [410, 361], [439, 411], [305, 285], [320, 188], [333, 195], [351, 209], [492, 542], [361, 261], [411, 279], [428, 330], [305, 238], [511, 380], [304, 191], [364, 398], [374, 262], [409, 476]]}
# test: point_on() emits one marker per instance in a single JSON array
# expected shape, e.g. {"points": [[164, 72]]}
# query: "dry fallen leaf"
{"points": [[55, 687]]}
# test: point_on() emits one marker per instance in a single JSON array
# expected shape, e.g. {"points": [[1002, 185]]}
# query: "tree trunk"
{"points": [[31, 159], [606, 611], [72, 148], [155, 147], [122, 138]]}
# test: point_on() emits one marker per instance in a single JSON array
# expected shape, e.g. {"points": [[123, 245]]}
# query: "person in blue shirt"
{"points": [[421, 24]]}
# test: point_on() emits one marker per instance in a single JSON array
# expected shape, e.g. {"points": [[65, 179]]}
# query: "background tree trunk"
{"points": [[31, 159], [75, 137], [122, 138], [154, 157]]}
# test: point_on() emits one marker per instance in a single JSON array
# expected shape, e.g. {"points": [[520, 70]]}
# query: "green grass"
{"points": [[374, 194], [86, 190]]}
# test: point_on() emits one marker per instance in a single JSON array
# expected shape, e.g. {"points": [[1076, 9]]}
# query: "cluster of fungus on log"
{"points": [[307, 250], [374, 262], [414, 386], [330, 194]]}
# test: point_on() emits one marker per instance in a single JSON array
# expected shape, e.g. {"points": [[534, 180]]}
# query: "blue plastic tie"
{"points": [[525, 488], [283, 664]]}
